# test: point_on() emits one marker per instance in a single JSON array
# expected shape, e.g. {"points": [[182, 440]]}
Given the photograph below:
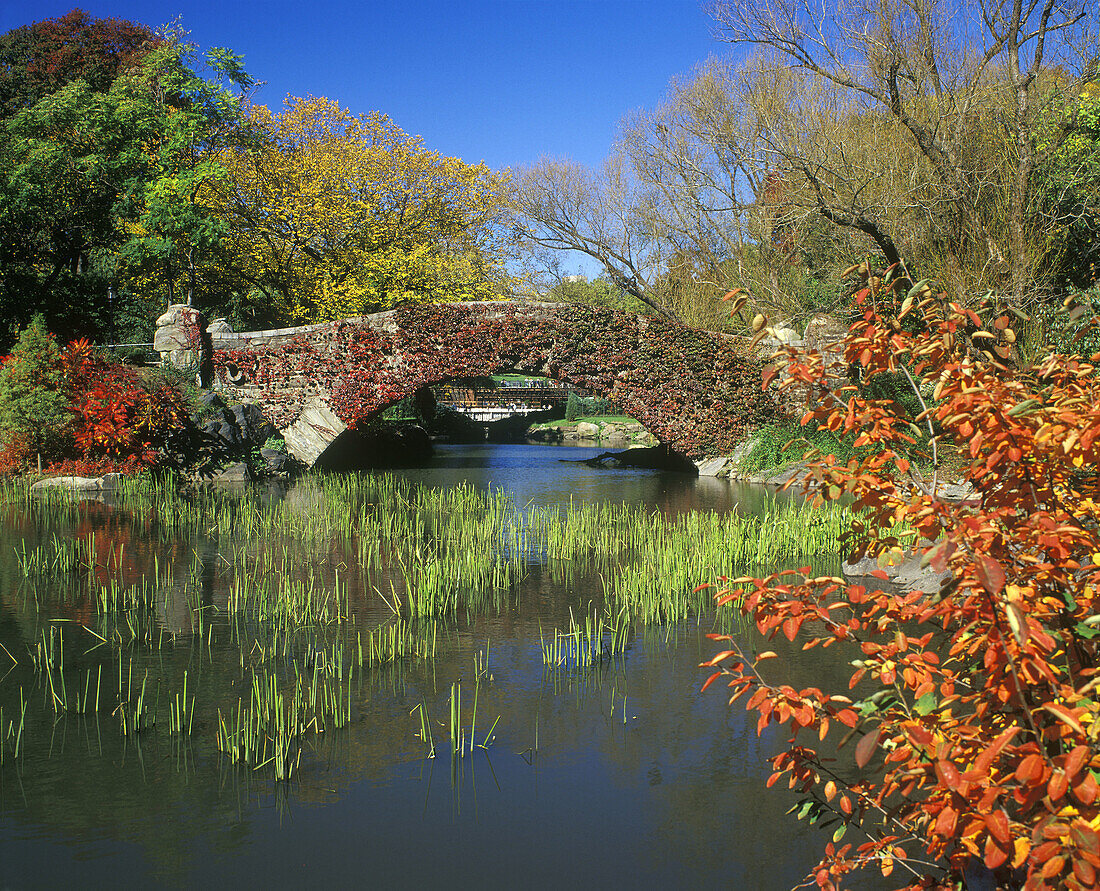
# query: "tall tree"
{"points": [[563, 206], [179, 125], [336, 214], [692, 201], [721, 198], [41, 58], [936, 76], [99, 189]]}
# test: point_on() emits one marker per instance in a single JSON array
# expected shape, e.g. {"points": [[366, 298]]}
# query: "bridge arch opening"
{"points": [[504, 408]]}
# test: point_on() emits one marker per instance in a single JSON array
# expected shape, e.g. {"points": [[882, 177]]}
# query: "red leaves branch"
{"points": [[979, 740]]}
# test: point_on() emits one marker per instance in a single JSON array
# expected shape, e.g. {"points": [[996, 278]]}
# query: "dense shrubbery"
{"points": [[779, 445], [78, 413], [978, 723], [588, 406]]}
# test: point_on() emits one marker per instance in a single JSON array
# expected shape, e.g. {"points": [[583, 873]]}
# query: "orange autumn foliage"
{"points": [[114, 420], [978, 748], [117, 417]]}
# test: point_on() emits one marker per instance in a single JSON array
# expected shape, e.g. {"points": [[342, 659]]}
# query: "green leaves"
{"points": [[32, 402], [102, 186]]}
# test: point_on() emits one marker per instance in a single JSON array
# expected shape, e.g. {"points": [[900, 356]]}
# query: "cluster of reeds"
{"points": [[11, 733], [396, 640], [586, 644], [301, 575], [134, 711], [270, 727]]}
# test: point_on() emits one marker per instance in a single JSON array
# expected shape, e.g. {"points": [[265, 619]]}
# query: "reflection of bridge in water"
{"points": [[505, 399]]}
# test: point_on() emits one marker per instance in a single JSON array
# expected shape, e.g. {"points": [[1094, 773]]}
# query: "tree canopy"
{"points": [[99, 217], [134, 172], [334, 214], [961, 140], [41, 58]]}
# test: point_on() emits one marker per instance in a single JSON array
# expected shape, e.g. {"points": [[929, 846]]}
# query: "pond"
{"points": [[389, 679]]}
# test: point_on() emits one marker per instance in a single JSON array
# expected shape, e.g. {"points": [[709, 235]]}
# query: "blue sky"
{"points": [[502, 82]]}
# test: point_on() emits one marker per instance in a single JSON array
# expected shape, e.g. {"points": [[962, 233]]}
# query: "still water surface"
{"points": [[622, 777]]}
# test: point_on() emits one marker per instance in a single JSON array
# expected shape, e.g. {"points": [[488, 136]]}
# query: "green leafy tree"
{"points": [[32, 398], [597, 292], [100, 216], [178, 122], [573, 407], [1067, 191]]}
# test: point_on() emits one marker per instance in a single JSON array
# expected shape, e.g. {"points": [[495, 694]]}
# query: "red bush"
{"points": [[117, 421], [118, 417]]}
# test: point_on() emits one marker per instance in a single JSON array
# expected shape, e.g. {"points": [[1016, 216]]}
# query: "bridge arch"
{"points": [[696, 391]]}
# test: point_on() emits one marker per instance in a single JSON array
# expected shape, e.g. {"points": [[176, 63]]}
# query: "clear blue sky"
{"points": [[502, 82]]}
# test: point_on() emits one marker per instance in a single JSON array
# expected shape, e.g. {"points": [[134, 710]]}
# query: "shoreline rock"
{"points": [[646, 457], [613, 433], [92, 485], [908, 575]]}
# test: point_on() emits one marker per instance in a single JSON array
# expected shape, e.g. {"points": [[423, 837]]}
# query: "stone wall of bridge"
{"points": [[696, 391]]}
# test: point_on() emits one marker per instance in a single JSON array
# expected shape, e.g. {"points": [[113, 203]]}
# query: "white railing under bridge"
{"points": [[487, 413]]}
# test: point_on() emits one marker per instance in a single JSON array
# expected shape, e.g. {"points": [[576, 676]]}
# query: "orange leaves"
{"points": [[947, 773], [1077, 759], [978, 723], [990, 573], [996, 853], [997, 824], [710, 681], [1030, 770], [1065, 715], [866, 747], [991, 752]]}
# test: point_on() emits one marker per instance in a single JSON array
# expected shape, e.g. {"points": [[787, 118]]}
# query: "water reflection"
{"points": [[619, 776], [554, 475]]}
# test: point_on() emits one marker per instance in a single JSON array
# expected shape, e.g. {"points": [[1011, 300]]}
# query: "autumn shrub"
{"points": [[971, 711], [117, 415], [79, 412], [15, 455]]}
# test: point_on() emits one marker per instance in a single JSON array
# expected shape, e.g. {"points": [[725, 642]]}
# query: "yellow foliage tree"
{"points": [[337, 215]]}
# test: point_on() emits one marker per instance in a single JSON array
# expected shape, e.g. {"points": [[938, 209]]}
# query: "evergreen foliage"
{"points": [[573, 409], [32, 398]]}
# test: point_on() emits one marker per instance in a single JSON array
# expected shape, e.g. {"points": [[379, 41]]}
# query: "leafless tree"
{"points": [[941, 73], [564, 206]]}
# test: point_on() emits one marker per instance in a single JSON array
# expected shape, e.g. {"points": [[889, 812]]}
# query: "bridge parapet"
{"points": [[696, 391]]}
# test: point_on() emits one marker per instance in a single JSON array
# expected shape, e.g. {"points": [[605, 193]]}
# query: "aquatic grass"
{"points": [[181, 711], [347, 574], [399, 639], [11, 736], [438, 551], [135, 712], [584, 645], [463, 743], [269, 730], [425, 732]]}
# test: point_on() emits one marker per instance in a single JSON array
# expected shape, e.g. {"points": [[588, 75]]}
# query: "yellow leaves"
{"points": [[343, 214]]}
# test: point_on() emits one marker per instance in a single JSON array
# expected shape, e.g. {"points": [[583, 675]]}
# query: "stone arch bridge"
{"points": [[696, 391]]}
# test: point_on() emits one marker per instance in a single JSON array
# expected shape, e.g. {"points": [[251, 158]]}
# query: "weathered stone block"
{"points": [[238, 472], [317, 426]]}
